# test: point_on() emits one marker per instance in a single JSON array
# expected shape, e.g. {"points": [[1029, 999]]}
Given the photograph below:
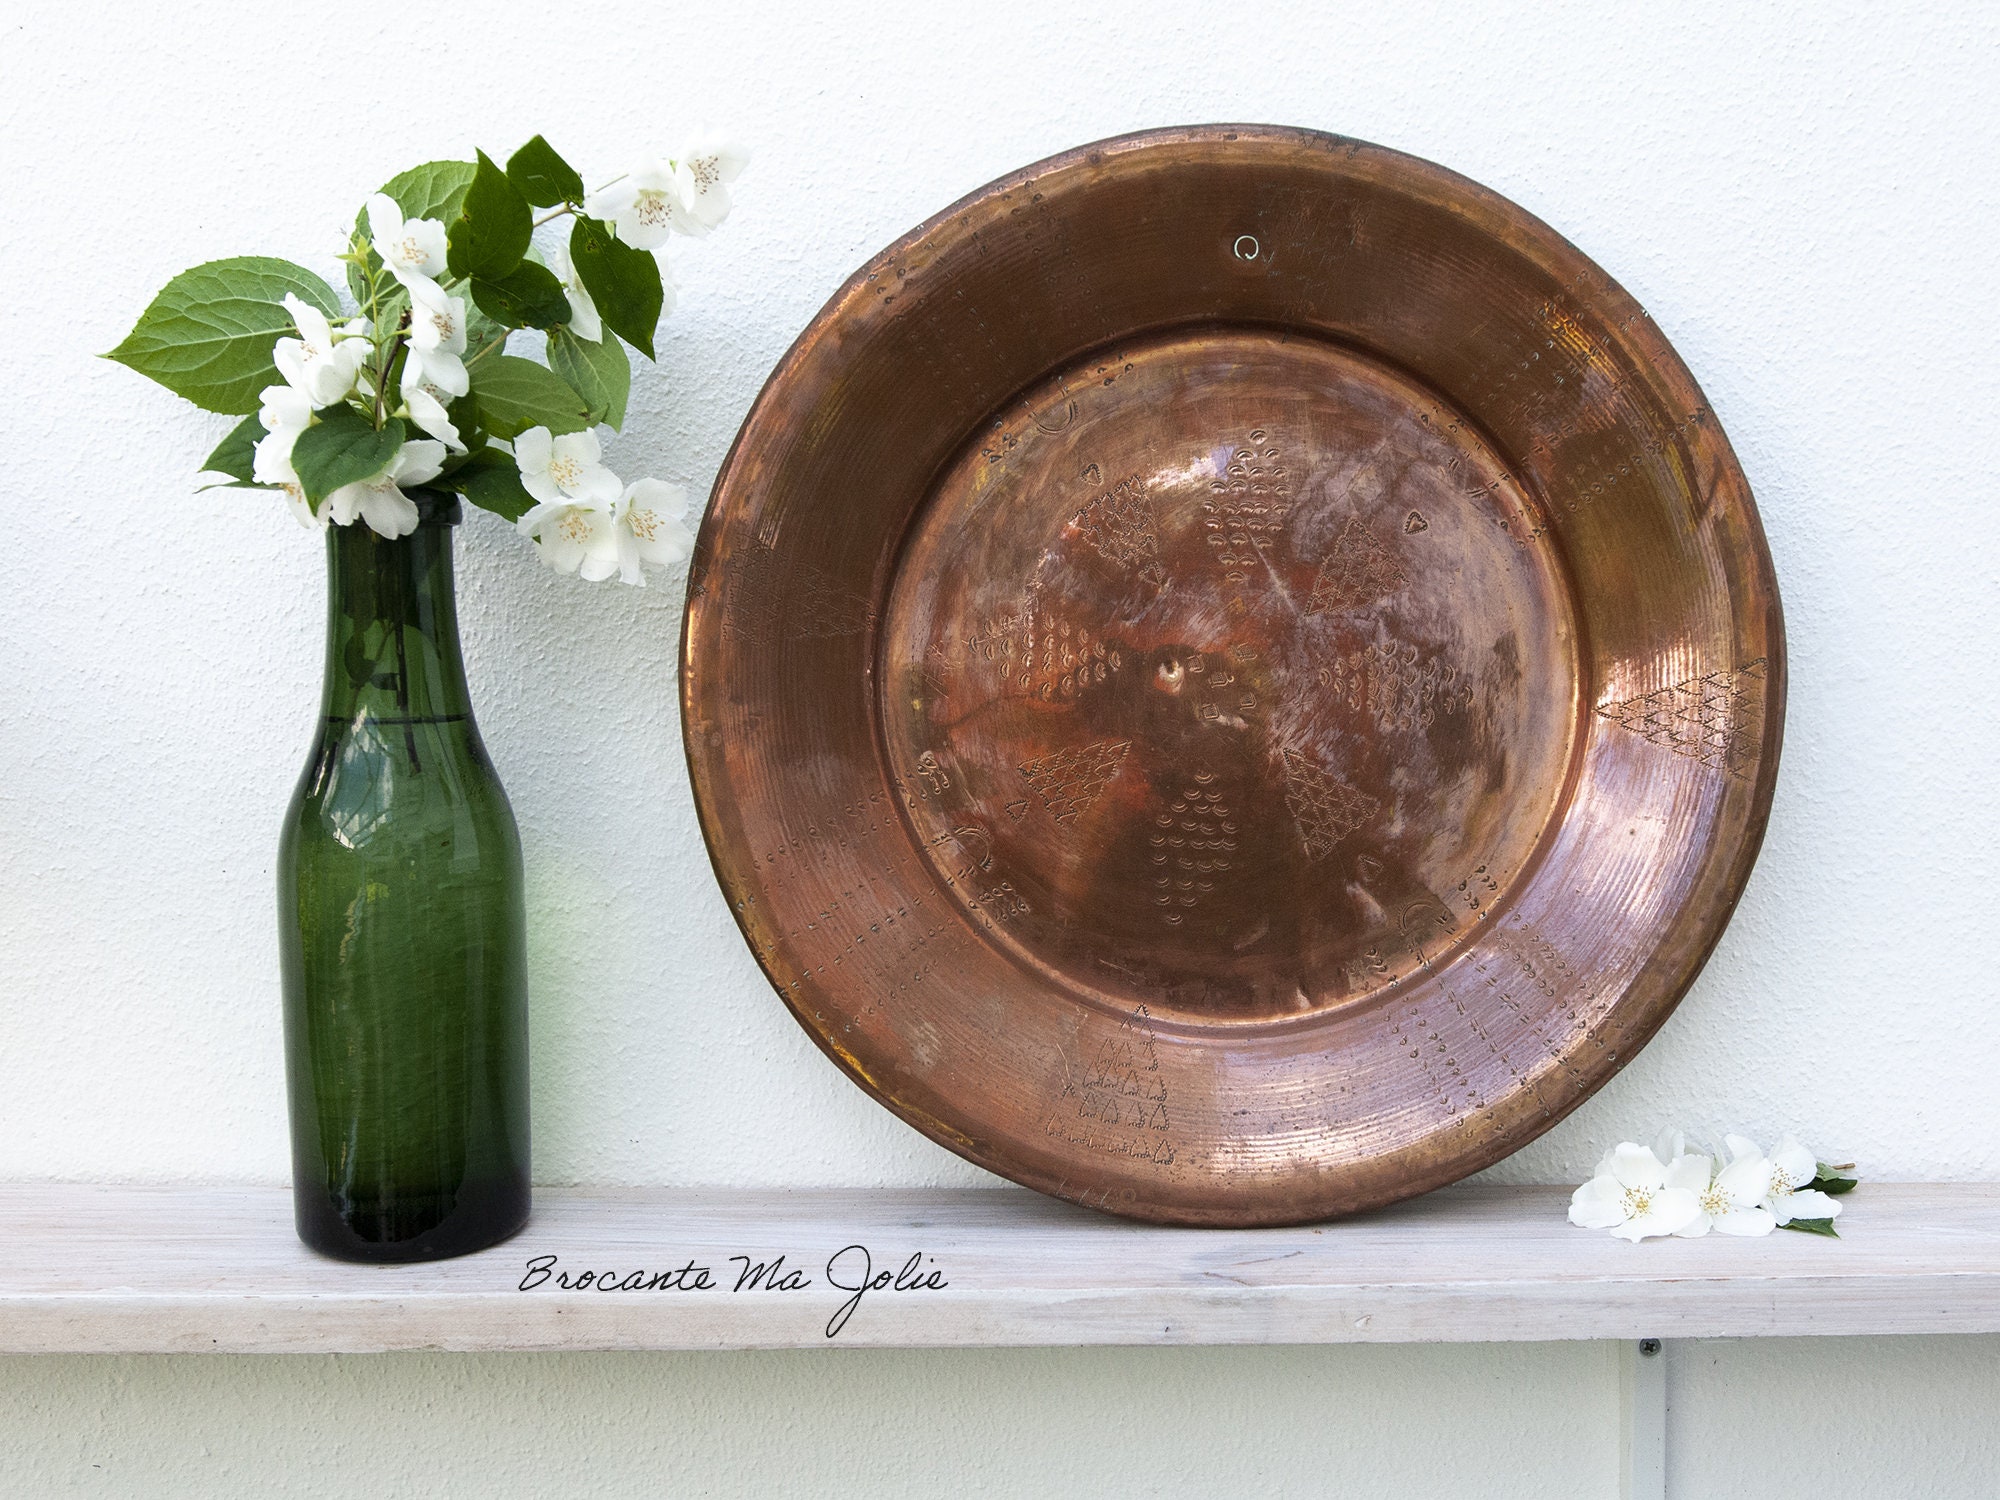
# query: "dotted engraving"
{"points": [[1357, 573], [1415, 522], [1246, 508], [1191, 844], [1715, 719], [1397, 685], [1118, 522], [1325, 810], [1070, 780]]}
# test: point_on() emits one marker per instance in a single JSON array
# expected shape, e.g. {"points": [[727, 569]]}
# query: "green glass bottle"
{"points": [[401, 927]]}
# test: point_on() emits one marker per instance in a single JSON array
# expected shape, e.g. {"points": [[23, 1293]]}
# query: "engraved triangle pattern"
{"points": [[1715, 718], [1118, 522], [1357, 572], [1070, 780], [1325, 810]]}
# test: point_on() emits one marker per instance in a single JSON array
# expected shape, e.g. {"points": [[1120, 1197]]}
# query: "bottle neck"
{"points": [[392, 649]]}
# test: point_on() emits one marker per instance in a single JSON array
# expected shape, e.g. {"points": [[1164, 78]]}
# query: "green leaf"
{"points": [[514, 394], [343, 448], [601, 372], [623, 282], [1815, 1226], [528, 297], [491, 232], [434, 190], [480, 331], [208, 335], [543, 177], [491, 481], [1835, 1186], [236, 454]]}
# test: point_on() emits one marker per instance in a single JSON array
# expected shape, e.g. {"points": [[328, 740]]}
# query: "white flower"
{"points": [[285, 414], [648, 528], [412, 249], [1630, 1196], [701, 183], [437, 339], [425, 404], [574, 537], [1727, 1200], [1789, 1170], [380, 501], [564, 470], [583, 319], [318, 363], [641, 205]]}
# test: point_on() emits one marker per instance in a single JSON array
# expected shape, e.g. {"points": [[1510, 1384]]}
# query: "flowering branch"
{"points": [[442, 268]]}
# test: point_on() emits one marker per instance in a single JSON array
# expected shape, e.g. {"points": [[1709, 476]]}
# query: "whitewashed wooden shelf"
{"points": [[176, 1270]]}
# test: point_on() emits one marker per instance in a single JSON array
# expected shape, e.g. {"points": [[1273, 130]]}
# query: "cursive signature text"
{"points": [[850, 1269]]}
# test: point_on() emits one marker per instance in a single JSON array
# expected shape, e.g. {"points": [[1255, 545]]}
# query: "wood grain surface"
{"points": [[90, 1269]]}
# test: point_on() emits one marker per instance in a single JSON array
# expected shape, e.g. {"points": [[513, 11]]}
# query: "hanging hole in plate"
{"points": [[1246, 247]]}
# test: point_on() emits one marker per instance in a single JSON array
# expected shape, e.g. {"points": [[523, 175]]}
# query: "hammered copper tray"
{"points": [[1232, 677]]}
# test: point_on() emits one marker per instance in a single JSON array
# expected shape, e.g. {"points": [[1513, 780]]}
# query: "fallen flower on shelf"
{"points": [[1631, 1197], [1639, 1192]]}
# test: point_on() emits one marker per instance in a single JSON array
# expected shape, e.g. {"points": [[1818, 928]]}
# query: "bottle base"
{"points": [[410, 1228]]}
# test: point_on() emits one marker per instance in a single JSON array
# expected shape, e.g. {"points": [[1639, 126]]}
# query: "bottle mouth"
{"points": [[436, 507]]}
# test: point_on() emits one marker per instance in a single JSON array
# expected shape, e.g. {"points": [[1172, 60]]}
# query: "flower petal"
{"points": [[344, 504], [1812, 1204], [609, 203], [653, 174], [1636, 1167], [1741, 1146], [388, 511], [385, 217], [1598, 1204], [1795, 1162], [417, 462], [1673, 1210], [1689, 1171], [537, 483], [1746, 1221], [579, 447], [630, 565], [1746, 1180], [533, 452], [532, 518], [429, 414], [596, 484]]}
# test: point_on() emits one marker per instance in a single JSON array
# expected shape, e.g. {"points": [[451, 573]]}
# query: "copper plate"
{"points": [[1232, 676]]}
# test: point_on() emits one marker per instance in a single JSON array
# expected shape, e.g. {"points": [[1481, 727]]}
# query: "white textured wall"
{"points": [[1804, 196]]}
